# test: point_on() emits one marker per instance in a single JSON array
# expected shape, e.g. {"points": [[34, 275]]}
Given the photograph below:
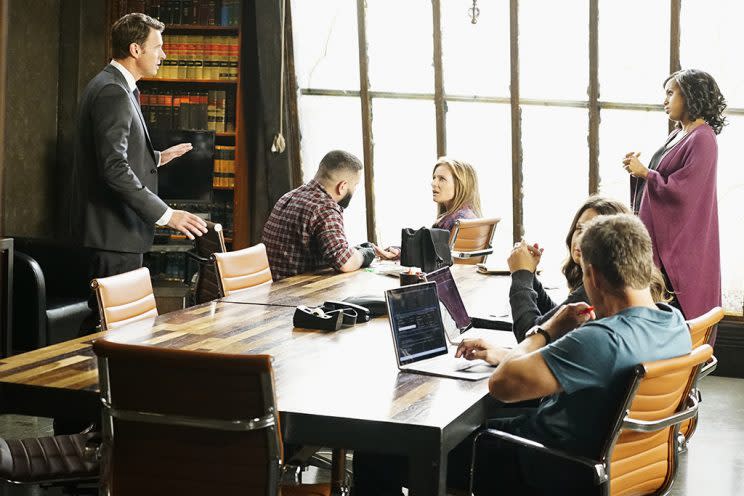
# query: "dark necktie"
{"points": [[137, 95]]}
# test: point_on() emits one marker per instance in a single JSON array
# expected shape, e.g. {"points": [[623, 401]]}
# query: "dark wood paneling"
{"points": [[33, 46], [729, 348], [82, 54], [3, 73]]}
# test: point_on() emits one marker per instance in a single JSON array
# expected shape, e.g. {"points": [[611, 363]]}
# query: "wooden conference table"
{"points": [[340, 389]]}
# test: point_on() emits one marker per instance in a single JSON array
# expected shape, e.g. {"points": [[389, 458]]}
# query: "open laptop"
{"points": [[419, 337], [456, 319]]}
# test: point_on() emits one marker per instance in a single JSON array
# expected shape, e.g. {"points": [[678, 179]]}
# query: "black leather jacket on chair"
{"points": [[50, 292]]}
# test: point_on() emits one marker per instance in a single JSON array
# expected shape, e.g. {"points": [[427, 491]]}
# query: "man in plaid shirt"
{"points": [[305, 230]]}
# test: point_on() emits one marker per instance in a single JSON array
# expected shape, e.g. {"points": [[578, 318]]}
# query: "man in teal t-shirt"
{"points": [[578, 362], [580, 366]]}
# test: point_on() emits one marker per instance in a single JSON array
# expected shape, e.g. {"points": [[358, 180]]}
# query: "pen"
{"points": [[586, 310]]}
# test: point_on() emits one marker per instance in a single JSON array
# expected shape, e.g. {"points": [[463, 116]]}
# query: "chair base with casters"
{"points": [[635, 459]]}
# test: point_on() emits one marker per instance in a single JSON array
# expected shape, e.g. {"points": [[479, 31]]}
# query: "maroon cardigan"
{"points": [[680, 209]]}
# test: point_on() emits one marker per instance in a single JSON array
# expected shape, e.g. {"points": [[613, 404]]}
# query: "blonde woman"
{"points": [[454, 188]]}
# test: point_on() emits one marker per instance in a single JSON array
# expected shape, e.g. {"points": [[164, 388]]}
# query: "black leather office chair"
{"points": [[50, 292]]}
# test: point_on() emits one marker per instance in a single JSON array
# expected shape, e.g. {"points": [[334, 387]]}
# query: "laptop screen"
{"points": [[450, 296], [416, 322]]}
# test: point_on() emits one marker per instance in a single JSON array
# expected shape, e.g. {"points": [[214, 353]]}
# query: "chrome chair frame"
{"points": [[601, 467], [463, 255]]}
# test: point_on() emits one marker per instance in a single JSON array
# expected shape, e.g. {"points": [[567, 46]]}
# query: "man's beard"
{"points": [[344, 202]]}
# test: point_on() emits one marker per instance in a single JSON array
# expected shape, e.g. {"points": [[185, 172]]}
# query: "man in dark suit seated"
{"points": [[577, 364], [114, 201]]}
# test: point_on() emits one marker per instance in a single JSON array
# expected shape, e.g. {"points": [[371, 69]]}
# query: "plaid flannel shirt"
{"points": [[305, 232]]}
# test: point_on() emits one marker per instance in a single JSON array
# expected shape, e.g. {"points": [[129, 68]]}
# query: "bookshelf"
{"points": [[199, 87]]}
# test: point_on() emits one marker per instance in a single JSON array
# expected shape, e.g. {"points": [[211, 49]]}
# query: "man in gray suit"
{"points": [[115, 206]]}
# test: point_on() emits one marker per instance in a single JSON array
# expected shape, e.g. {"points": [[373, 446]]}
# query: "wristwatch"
{"points": [[539, 330]]}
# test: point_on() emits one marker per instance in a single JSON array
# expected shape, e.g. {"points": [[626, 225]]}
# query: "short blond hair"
{"points": [[466, 187], [619, 247]]}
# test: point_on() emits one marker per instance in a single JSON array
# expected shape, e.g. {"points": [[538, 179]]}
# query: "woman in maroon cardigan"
{"points": [[675, 196]]}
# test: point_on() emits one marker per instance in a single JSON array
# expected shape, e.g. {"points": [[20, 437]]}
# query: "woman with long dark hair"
{"points": [[530, 303], [676, 195]]}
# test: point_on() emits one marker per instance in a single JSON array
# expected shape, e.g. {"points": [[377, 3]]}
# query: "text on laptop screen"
{"points": [[450, 296], [416, 322]]}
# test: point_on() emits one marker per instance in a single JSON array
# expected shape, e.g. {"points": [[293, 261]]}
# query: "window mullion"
{"points": [[366, 103]]}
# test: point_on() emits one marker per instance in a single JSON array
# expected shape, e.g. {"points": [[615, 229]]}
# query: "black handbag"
{"points": [[427, 248]]}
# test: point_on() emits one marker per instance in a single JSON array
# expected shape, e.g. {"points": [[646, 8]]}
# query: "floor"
{"points": [[713, 465]]}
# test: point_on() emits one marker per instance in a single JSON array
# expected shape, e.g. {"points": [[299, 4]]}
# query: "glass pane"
{"points": [[623, 131], [405, 154], [556, 177], [330, 123], [633, 50], [400, 45], [731, 210], [711, 41], [548, 33], [326, 44], [466, 72], [481, 135]]}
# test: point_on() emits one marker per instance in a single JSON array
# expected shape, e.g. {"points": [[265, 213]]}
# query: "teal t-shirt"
{"points": [[592, 365]]}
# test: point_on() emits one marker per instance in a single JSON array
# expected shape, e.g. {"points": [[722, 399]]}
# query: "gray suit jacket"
{"points": [[114, 202]]}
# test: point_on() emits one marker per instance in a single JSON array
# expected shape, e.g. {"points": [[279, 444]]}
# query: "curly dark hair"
{"points": [[703, 99]]}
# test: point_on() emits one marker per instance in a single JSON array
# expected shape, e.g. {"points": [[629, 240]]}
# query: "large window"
{"points": [[440, 84]]}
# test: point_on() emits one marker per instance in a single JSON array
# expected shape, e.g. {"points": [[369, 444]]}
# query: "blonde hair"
{"points": [[466, 187]]}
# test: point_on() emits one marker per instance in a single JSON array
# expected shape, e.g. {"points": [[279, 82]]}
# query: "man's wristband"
{"points": [[539, 330], [368, 254]]}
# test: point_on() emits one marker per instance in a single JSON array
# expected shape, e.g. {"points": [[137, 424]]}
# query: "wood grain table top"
{"points": [[349, 373]]}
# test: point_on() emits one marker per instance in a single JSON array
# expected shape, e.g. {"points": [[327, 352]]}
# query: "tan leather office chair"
{"points": [[242, 269], [189, 422], [207, 287], [125, 298], [470, 241], [640, 453], [701, 330]]}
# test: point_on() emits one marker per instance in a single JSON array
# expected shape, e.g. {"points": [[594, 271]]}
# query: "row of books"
{"points": [[191, 56], [220, 212], [224, 167], [168, 266], [199, 12], [212, 110]]}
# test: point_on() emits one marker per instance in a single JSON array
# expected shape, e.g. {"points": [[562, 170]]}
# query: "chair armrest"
{"points": [[657, 425], [600, 471], [470, 254], [197, 258], [709, 367], [29, 303]]}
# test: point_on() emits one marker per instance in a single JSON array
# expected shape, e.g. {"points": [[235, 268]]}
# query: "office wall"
{"points": [[53, 48], [30, 116], [3, 42]]}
